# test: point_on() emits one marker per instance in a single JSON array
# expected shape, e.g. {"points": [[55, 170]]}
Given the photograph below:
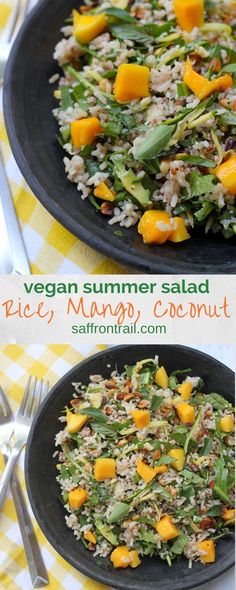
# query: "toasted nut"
{"points": [[156, 455], [122, 442], [110, 384], [84, 8], [75, 402], [128, 396], [105, 85], [143, 404], [207, 523], [106, 209], [108, 410]]}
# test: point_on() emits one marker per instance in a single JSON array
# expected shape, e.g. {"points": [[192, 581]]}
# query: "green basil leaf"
{"points": [[228, 118], [205, 210], [217, 401], [94, 413], [131, 32], [207, 447], [157, 30], [155, 142], [221, 479], [120, 14]]}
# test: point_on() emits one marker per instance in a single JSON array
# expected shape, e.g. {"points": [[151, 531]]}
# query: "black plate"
{"points": [[28, 102], [43, 489]]}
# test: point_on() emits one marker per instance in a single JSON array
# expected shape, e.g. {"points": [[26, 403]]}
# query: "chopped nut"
{"points": [[105, 85], [143, 403], [106, 209]]}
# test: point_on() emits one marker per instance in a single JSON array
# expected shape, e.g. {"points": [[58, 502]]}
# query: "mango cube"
{"points": [[155, 227], [228, 515], [75, 422], [141, 418], [161, 378], [200, 86], [185, 390], [166, 528], [180, 233], [226, 173], [104, 469], [120, 557], [227, 424], [146, 472], [179, 456], [77, 498], [161, 469], [189, 13], [84, 131], [86, 27], [185, 412], [102, 191], [208, 546], [131, 82], [135, 561], [90, 537]]}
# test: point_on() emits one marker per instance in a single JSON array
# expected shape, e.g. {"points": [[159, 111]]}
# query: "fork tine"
{"points": [[8, 31], [25, 397], [31, 399], [4, 405]]}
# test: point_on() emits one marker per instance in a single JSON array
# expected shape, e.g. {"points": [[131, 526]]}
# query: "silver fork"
{"points": [[34, 558], [10, 31], [13, 258], [23, 420]]}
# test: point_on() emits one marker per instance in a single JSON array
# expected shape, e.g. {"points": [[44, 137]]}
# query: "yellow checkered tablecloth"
{"points": [[16, 363], [50, 247]]}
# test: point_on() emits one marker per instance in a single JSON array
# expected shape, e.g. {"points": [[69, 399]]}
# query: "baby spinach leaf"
{"points": [[155, 142], [192, 431], [105, 429], [187, 492], [228, 118], [157, 30], [215, 511], [192, 477], [229, 68]]}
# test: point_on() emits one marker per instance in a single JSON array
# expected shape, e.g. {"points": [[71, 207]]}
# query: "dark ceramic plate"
{"points": [[28, 102], [43, 489]]}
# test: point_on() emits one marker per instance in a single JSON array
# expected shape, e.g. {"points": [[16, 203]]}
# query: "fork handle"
{"points": [[7, 473], [34, 558]]}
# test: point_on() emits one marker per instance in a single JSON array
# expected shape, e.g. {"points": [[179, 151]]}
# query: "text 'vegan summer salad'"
{"points": [[146, 466], [147, 113]]}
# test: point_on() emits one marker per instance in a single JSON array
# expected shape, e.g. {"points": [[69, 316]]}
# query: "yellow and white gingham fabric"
{"points": [[50, 247], [16, 364]]}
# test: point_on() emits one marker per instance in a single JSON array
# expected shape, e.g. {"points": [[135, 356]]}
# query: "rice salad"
{"points": [[146, 465], [146, 113]]}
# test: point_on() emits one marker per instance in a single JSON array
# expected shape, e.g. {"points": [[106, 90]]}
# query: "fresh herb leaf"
{"points": [[126, 31], [119, 511], [156, 401], [221, 480], [179, 544], [66, 100], [94, 413], [199, 184], [155, 142], [217, 401], [122, 15], [199, 161]]}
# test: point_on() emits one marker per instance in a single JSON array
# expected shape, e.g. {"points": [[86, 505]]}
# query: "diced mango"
{"points": [[84, 131], [146, 472], [161, 378], [90, 537], [180, 233], [141, 418], [189, 13], [77, 498], [208, 546], [135, 561], [121, 557], [102, 191], [226, 173], [179, 456], [228, 514], [185, 390], [75, 422], [200, 86], [166, 528], [131, 82], [185, 412], [104, 469], [161, 469], [86, 26], [227, 424], [155, 227]]}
